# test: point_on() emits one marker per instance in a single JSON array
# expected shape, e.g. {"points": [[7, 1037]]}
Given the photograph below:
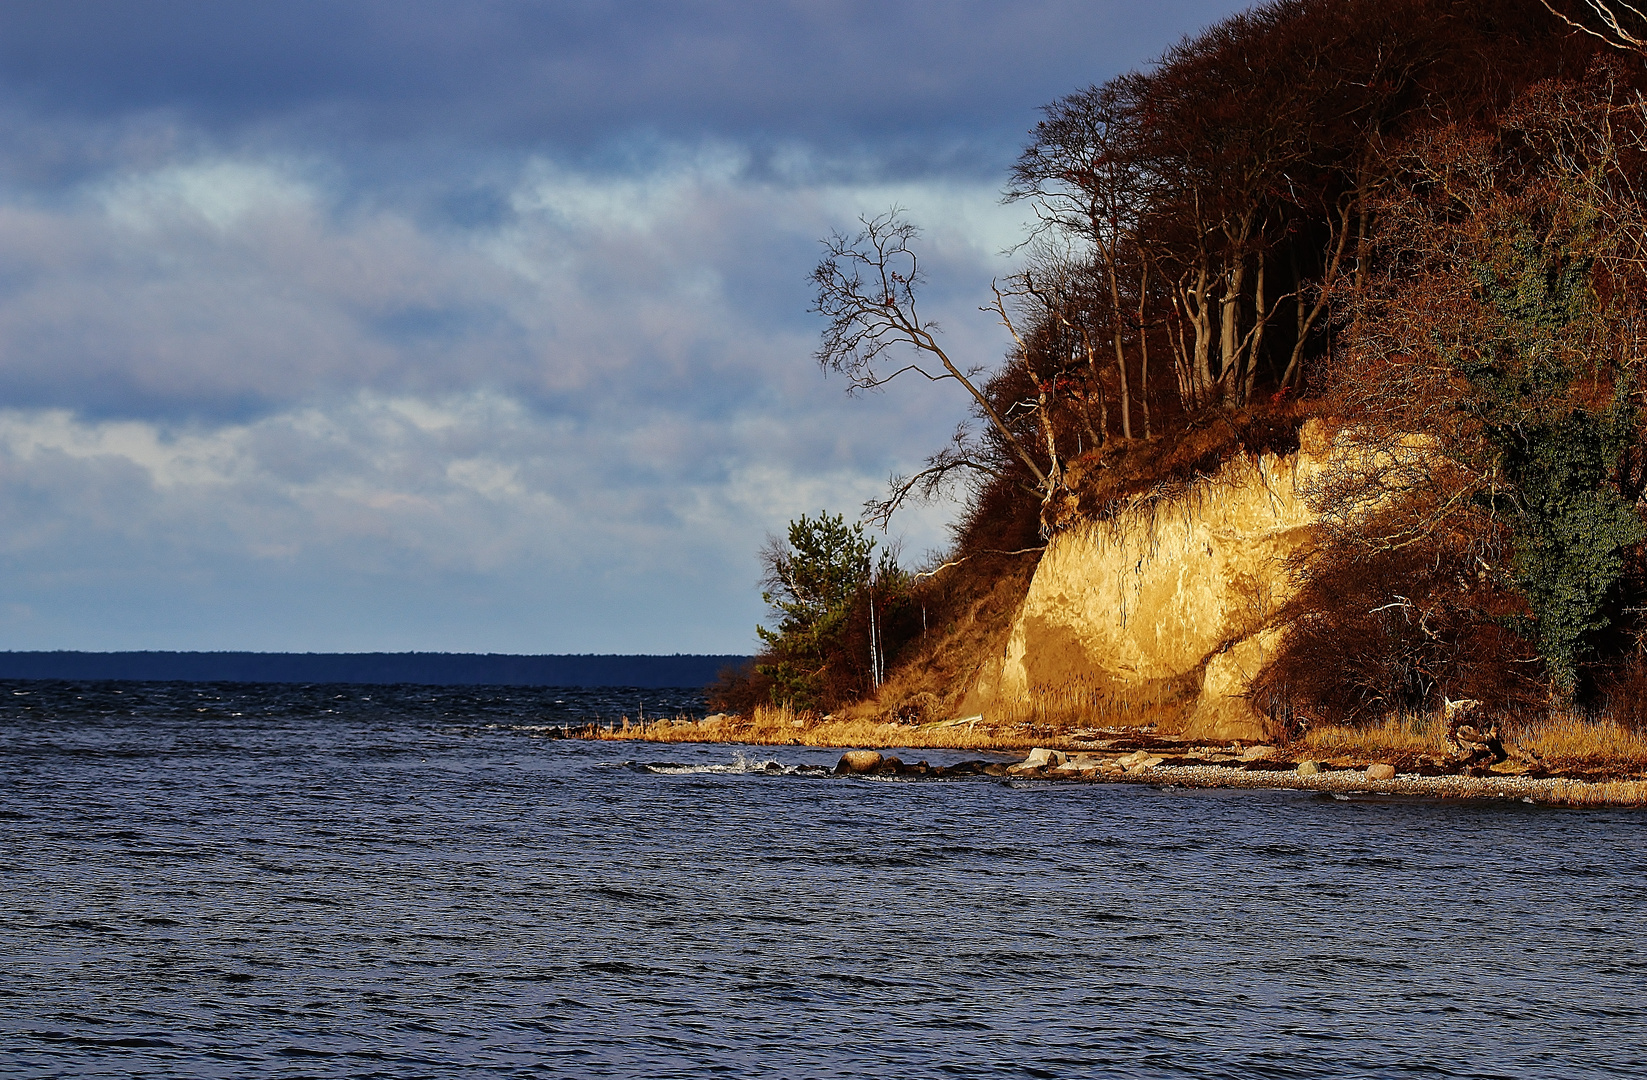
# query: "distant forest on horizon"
{"points": [[426, 668]]}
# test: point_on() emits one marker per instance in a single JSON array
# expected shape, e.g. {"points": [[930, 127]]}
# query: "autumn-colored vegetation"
{"points": [[1420, 220], [784, 725]]}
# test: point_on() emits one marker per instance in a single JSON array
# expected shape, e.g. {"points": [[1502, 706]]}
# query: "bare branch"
{"points": [[866, 289], [1611, 17]]}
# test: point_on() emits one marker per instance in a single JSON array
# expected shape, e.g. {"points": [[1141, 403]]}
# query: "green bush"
{"points": [[812, 581]]}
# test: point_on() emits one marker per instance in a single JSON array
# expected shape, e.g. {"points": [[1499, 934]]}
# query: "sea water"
{"points": [[245, 881]]}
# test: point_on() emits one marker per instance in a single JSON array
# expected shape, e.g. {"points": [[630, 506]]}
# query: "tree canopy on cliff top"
{"points": [[1217, 253]]}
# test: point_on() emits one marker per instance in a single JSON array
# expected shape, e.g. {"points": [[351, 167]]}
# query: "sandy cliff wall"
{"points": [[1168, 608]]}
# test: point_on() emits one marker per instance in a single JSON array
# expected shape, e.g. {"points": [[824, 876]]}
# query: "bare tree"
{"points": [[866, 288]]}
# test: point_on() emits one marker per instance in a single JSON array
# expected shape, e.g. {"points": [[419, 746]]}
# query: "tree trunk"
{"points": [[1261, 319], [1143, 345], [1229, 327], [1195, 298], [1116, 328]]}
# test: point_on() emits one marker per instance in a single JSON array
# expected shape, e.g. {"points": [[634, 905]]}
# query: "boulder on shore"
{"points": [[858, 761], [1381, 770], [1041, 758]]}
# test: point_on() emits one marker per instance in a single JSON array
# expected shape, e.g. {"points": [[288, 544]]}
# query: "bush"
{"points": [[821, 581]]}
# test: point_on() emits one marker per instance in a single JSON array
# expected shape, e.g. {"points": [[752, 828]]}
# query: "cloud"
{"points": [[569, 75], [224, 378], [473, 503], [225, 286], [395, 324]]}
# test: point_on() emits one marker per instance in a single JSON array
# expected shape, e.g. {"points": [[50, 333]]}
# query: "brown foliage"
{"points": [[739, 689], [1397, 631], [1239, 182], [1625, 692], [1501, 316]]}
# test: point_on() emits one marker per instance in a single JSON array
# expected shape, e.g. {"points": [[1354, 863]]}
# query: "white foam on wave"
{"points": [[740, 765]]}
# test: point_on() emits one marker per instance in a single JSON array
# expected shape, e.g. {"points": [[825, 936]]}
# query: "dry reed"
{"points": [[1394, 737], [1561, 741], [1608, 793], [785, 726], [1576, 742], [1078, 702]]}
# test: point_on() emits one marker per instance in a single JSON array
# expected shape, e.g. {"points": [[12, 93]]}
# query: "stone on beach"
{"points": [[859, 761], [1381, 770], [1308, 768], [1040, 758]]}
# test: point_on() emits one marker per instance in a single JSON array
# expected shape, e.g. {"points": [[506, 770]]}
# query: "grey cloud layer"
{"points": [[220, 383], [226, 287], [472, 325], [570, 74]]}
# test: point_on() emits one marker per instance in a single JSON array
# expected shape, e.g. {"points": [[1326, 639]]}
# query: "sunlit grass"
{"points": [[786, 726], [1394, 737], [1047, 716], [1077, 703], [1561, 741], [1570, 741], [1606, 793]]}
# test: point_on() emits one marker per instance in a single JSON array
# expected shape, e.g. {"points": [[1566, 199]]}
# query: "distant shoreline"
{"points": [[374, 668]]}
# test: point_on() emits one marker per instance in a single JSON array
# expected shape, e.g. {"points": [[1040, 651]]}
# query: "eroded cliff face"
{"points": [[1167, 610]]}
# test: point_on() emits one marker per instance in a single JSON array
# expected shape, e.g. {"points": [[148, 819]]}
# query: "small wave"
{"points": [[738, 766]]}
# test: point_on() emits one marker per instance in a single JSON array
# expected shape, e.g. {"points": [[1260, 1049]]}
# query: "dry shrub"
{"points": [[921, 707], [1624, 693], [999, 516], [739, 689], [1375, 633]]}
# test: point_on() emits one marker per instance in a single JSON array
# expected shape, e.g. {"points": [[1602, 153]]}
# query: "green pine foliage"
{"points": [[812, 581]]}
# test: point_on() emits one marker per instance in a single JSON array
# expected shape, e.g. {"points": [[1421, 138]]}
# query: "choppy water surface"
{"points": [[277, 881]]}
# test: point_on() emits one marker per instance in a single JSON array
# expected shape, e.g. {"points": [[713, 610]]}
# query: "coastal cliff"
{"points": [[1166, 609]]}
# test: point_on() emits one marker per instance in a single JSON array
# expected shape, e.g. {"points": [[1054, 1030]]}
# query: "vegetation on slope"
{"points": [[1420, 219]]}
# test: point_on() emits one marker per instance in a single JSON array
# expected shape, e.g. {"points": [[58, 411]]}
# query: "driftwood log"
{"points": [[1476, 744]]}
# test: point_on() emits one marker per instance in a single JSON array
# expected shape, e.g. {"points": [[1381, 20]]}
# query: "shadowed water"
{"points": [[280, 881]]}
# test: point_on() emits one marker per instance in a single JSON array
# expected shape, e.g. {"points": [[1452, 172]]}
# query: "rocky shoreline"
{"points": [[1261, 771], [1478, 764]]}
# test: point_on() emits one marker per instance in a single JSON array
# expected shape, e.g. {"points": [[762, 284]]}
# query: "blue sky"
{"points": [[480, 325]]}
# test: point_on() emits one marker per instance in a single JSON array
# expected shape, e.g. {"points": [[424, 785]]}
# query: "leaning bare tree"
{"points": [[866, 288]]}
